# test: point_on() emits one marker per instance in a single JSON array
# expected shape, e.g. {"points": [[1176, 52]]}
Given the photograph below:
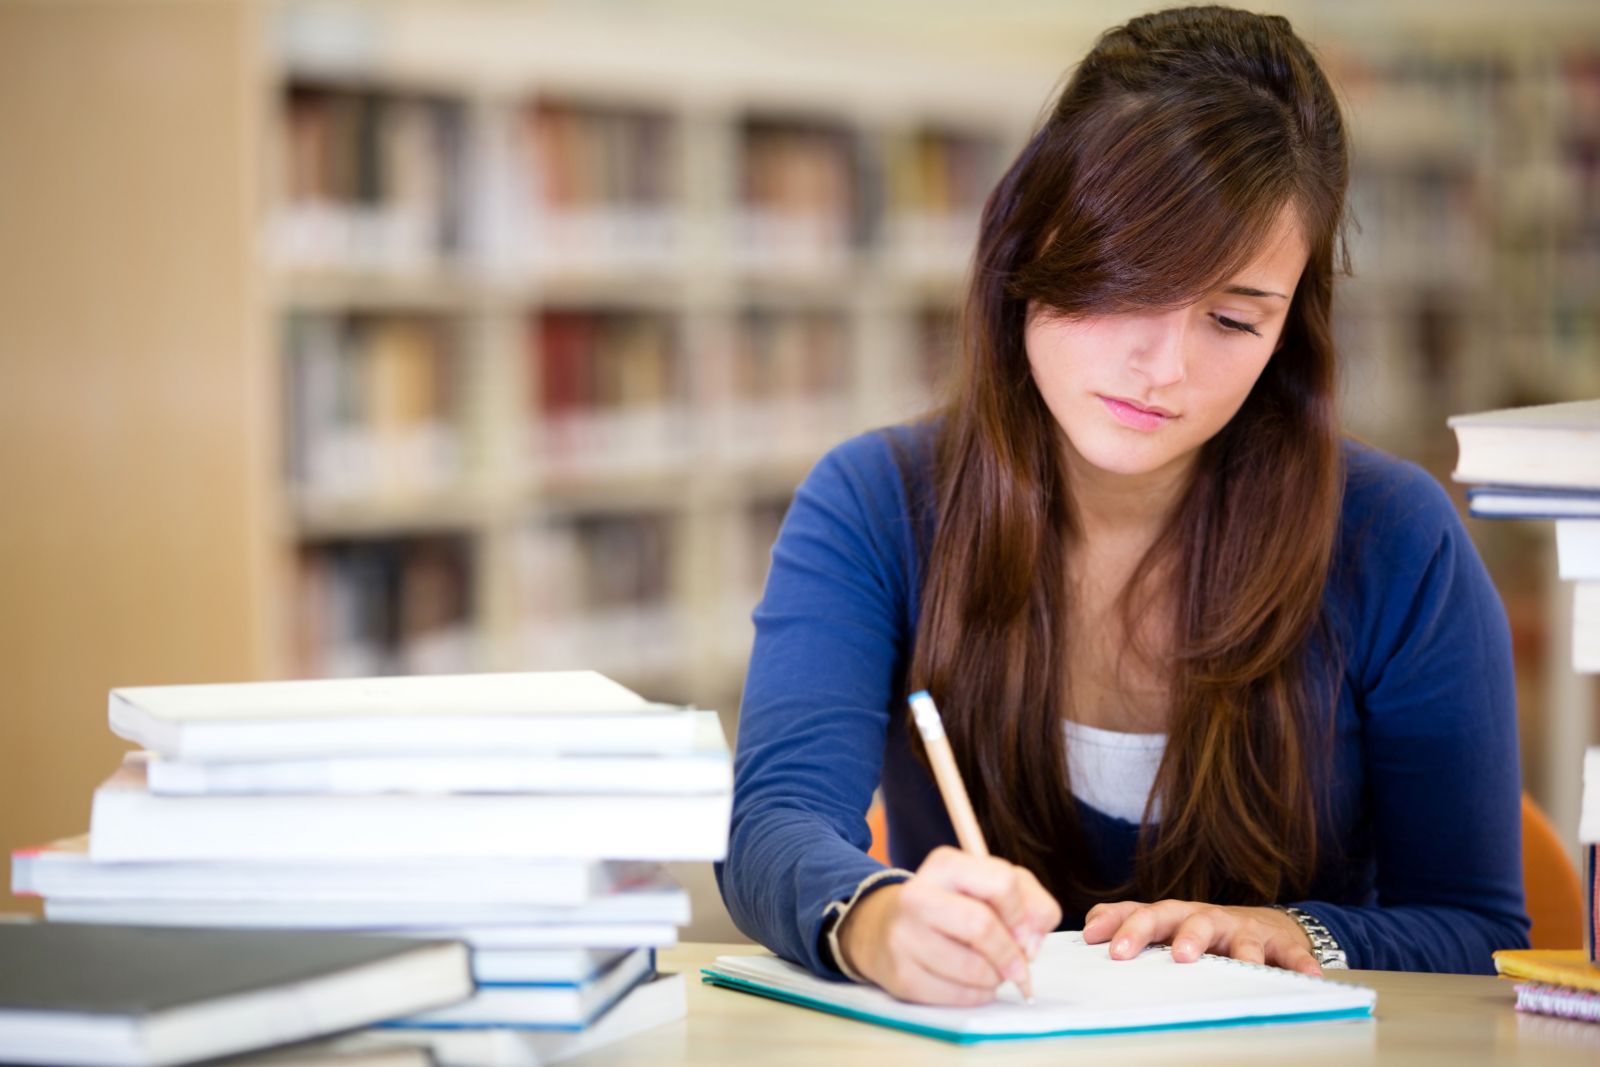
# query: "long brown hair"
{"points": [[1156, 175]]}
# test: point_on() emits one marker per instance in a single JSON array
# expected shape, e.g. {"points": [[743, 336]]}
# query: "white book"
{"points": [[1589, 817], [657, 902], [64, 869], [568, 1007], [129, 824], [661, 1000], [1552, 445], [1578, 549], [1586, 627], [704, 768], [1078, 990], [548, 711], [596, 935], [555, 965]]}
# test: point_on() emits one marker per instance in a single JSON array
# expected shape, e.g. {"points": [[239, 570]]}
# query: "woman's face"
{"points": [[1139, 393]]}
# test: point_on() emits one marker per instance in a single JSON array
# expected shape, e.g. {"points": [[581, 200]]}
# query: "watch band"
{"points": [[1325, 947], [833, 915]]}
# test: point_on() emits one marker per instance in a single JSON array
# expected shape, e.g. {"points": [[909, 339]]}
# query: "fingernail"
{"points": [[1016, 971], [1122, 948], [1184, 947]]}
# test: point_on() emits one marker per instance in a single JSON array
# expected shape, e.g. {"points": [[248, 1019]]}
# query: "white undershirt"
{"points": [[1114, 772]]}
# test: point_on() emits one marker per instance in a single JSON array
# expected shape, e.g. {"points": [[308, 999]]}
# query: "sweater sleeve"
{"points": [[1439, 745], [828, 648]]}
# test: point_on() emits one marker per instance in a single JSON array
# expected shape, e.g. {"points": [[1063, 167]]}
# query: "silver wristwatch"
{"points": [[1324, 946]]}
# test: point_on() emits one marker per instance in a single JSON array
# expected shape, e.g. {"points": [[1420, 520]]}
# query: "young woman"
{"points": [[1214, 676]]}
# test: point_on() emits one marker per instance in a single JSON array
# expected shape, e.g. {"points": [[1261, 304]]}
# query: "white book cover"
{"points": [[129, 824], [1589, 817], [539, 711], [704, 768], [566, 935], [557, 966], [1078, 990], [656, 901], [1552, 445], [660, 1000], [1578, 549], [570, 1007], [1586, 627], [64, 869]]}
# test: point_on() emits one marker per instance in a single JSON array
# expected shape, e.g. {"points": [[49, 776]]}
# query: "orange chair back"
{"points": [[1550, 880]]}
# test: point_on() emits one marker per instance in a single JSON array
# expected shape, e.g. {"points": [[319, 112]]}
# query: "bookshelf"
{"points": [[559, 342]]}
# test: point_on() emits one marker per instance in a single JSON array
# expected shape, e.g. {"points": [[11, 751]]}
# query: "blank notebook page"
{"points": [[1078, 989]]}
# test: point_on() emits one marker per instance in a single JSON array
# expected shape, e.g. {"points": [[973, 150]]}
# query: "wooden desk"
{"points": [[1449, 1020]]}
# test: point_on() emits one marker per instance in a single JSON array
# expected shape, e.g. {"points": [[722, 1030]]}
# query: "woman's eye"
{"points": [[1236, 326]]}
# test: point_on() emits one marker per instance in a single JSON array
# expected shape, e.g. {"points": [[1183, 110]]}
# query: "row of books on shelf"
{"points": [[512, 826], [591, 588], [377, 180], [377, 404]]}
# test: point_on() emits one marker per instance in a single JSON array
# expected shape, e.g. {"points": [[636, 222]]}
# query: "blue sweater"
{"points": [[1424, 813]]}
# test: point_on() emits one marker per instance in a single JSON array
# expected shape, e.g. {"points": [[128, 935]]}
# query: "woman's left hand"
{"points": [[1255, 935]]}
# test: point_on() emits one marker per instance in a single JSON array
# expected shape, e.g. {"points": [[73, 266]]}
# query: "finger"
{"points": [[1043, 913], [1148, 923], [975, 925], [994, 881], [1248, 947], [1284, 953], [1104, 919], [953, 963], [1195, 934], [915, 983]]}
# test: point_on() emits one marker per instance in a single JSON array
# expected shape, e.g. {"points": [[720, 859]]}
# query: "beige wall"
{"points": [[133, 462]]}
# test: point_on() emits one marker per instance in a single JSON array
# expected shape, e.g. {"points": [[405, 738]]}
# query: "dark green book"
{"points": [[98, 996]]}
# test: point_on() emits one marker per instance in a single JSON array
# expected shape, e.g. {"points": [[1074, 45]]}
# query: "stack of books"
{"points": [[1562, 982], [1544, 463], [527, 815]]}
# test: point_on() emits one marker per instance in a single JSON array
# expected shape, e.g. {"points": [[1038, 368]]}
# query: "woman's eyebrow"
{"points": [[1245, 290]]}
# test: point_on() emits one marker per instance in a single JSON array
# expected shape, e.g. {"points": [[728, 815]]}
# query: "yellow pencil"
{"points": [[954, 791]]}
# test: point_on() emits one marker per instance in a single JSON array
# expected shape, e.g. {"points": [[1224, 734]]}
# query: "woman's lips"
{"points": [[1135, 416]]}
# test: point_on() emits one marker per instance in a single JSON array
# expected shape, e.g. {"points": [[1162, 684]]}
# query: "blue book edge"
{"points": [[716, 978]]}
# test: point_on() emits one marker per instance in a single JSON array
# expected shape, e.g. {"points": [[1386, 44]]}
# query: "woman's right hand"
{"points": [[952, 934]]}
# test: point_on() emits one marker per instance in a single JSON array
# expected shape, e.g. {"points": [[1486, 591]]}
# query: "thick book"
{"points": [[107, 995], [1079, 990], [1553, 446], [537, 711], [1586, 627], [655, 1002], [704, 768], [128, 823], [1559, 1001], [1561, 967], [542, 1006], [63, 869], [563, 966], [562, 935], [1510, 502], [657, 901], [1578, 549]]}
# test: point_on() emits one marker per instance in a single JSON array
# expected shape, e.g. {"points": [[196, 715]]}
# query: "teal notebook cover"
{"points": [[1078, 991]]}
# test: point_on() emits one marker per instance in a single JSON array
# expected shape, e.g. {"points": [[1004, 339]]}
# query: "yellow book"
{"points": [[1564, 967]]}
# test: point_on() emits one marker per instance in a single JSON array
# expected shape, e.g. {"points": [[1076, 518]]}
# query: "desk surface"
{"points": [[1422, 1019]]}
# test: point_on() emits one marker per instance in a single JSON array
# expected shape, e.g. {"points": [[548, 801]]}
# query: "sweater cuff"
{"points": [[834, 914]]}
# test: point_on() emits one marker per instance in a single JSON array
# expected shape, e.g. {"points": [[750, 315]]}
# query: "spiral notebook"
{"points": [[1079, 990]]}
